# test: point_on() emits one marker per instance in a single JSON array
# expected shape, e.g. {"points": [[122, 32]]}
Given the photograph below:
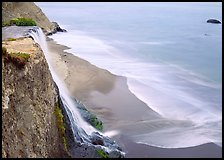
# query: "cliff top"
{"points": [[12, 10], [25, 45]]}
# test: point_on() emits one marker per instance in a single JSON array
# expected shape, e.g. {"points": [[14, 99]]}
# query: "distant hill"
{"points": [[12, 10]]}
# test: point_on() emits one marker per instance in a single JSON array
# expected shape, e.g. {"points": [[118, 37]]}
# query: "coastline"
{"points": [[108, 96]]}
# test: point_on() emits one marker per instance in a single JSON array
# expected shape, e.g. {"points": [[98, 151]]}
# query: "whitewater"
{"points": [[174, 93], [177, 73]]}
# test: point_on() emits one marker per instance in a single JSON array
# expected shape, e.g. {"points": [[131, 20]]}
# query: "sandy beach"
{"points": [[108, 96]]}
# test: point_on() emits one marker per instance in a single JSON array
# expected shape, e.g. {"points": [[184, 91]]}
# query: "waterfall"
{"points": [[75, 117], [84, 134]]}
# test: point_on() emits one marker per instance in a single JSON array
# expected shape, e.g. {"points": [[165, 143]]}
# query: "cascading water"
{"points": [[80, 128], [39, 38]]}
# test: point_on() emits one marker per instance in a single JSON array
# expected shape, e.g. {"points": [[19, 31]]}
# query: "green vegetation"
{"points": [[19, 59], [20, 22], [90, 117], [11, 39], [95, 122], [101, 153], [65, 143], [60, 124], [23, 22], [4, 51], [6, 24], [20, 55]]}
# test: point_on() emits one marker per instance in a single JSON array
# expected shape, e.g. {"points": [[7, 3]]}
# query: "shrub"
{"points": [[4, 24], [60, 124], [18, 58], [23, 22], [65, 143], [21, 56], [101, 153], [95, 122], [11, 39], [90, 117], [60, 121], [4, 51], [20, 22]]}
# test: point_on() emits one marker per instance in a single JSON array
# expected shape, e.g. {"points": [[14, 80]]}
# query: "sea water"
{"points": [[171, 57]]}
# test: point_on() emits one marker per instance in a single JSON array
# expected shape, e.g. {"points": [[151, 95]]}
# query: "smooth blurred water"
{"points": [[171, 57], [170, 32]]}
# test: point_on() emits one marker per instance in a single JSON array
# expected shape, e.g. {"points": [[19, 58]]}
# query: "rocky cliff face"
{"points": [[29, 99], [12, 10]]}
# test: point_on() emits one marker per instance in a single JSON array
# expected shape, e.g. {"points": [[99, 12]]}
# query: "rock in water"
{"points": [[213, 21], [56, 29], [97, 139]]}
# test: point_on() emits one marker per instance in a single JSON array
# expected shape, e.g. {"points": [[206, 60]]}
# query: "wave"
{"points": [[171, 91], [157, 42]]}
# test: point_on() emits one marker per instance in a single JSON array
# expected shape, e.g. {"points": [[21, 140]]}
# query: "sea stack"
{"points": [[213, 21]]}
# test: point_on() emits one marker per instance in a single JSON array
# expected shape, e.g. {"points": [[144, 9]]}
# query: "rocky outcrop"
{"points": [[12, 10], [56, 29], [213, 21], [29, 101], [89, 117], [88, 146], [29, 98]]}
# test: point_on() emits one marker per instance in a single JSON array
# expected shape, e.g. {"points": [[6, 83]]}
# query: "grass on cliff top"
{"points": [[20, 55], [20, 22], [19, 59], [11, 39], [60, 124]]}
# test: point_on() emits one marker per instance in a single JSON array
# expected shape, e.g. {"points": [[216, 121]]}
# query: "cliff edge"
{"points": [[35, 121], [29, 100]]}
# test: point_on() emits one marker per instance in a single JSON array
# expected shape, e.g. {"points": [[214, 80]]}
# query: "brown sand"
{"points": [[105, 94], [109, 98]]}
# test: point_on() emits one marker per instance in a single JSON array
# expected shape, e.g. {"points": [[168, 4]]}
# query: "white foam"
{"points": [[39, 37], [157, 42], [168, 90], [111, 133]]}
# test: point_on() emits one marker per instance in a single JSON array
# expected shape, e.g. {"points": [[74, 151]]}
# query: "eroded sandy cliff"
{"points": [[29, 97]]}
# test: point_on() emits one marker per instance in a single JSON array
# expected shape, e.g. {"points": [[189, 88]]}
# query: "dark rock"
{"points": [[56, 28], [213, 21], [115, 154], [68, 124], [82, 145], [90, 117], [97, 139], [48, 34]]}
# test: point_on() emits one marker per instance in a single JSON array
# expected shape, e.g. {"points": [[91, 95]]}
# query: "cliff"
{"points": [[12, 10], [35, 122], [29, 99]]}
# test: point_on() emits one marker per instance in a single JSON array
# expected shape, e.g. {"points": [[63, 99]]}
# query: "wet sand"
{"points": [[108, 96], [135, 150]]}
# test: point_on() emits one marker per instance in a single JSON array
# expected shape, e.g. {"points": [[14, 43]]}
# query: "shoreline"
{"points": [[135, 150], [107, 95]]}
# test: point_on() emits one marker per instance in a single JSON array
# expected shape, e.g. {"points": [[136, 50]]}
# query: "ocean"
{"points": [[171, 57]]}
